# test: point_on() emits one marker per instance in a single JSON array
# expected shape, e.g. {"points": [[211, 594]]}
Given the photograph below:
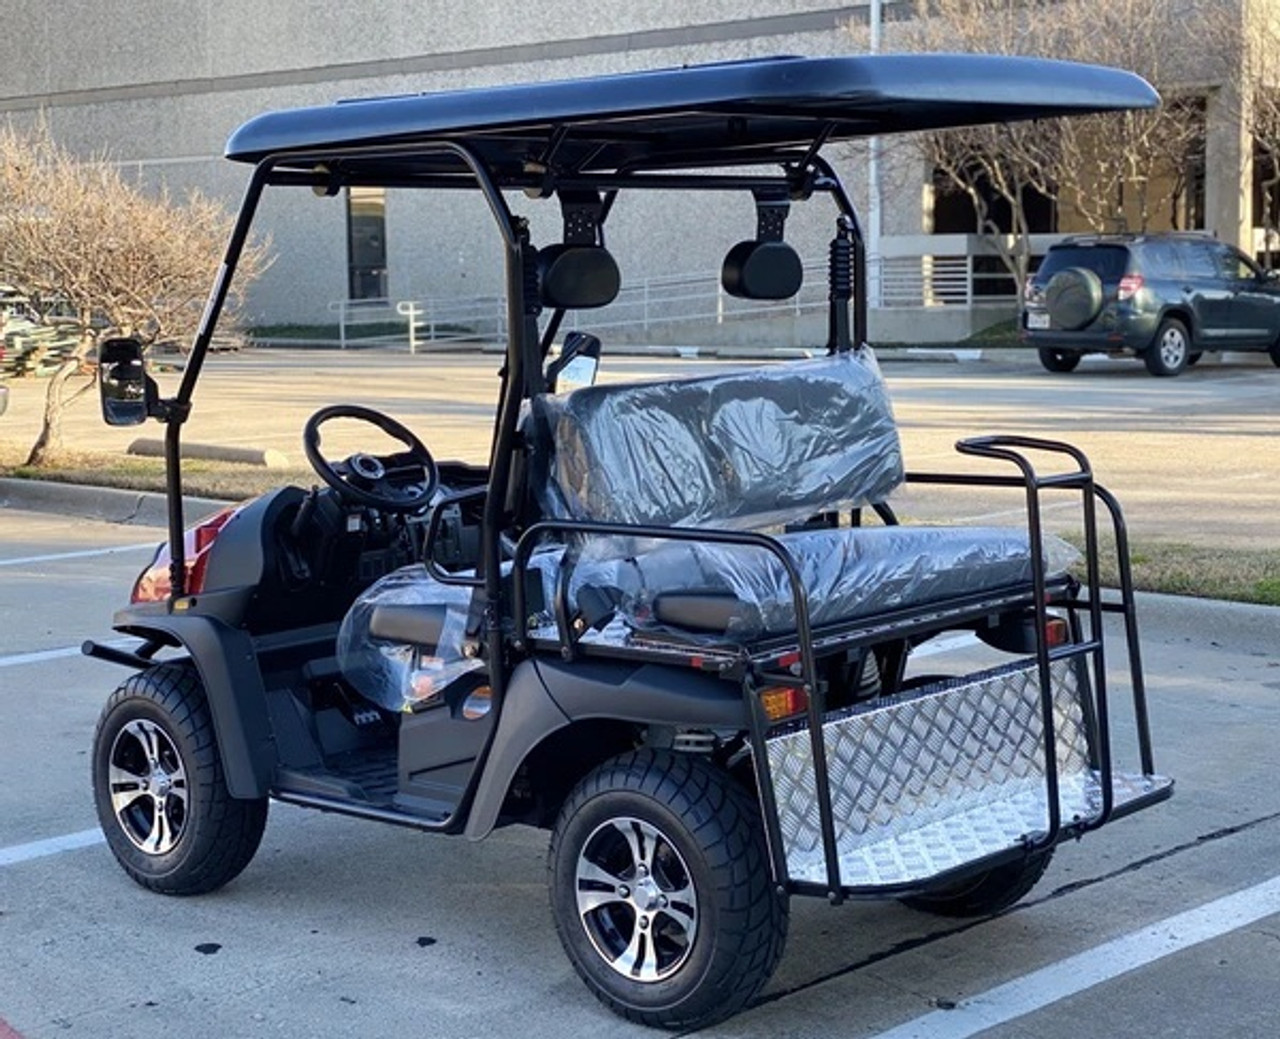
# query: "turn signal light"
{"points": [[783, 701]]}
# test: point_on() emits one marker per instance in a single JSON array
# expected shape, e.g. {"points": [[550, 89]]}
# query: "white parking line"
{"points": [[1068, 977], [16, 853], [84, 554]]}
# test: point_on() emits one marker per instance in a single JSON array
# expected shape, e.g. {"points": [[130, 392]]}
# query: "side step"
{"points": [[943, 777]]}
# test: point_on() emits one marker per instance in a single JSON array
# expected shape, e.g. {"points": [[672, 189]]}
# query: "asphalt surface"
{"points": [[341, 927]]}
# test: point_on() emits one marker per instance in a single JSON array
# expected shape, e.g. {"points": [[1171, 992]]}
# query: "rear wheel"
{"points": [[661, 890], [1059, 360], [159, 789], [1169, 353], [987, 892]]}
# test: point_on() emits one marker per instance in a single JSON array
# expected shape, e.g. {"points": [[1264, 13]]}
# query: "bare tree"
{"points": [[1111, 172], [75, 232]]}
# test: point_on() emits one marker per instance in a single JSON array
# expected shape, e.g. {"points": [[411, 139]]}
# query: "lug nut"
{"points": [[624, 891], [644, 923]]}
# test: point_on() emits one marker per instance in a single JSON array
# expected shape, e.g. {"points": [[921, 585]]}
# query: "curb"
{"points": [[110, 504]]}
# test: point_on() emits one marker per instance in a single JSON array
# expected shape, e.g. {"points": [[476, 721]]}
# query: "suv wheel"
{"points": [[661, 890], [1059, 360], [159, 789], [1170, 351]]}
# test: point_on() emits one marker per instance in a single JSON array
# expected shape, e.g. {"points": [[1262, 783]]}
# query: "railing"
{"points": [[897, 279]]}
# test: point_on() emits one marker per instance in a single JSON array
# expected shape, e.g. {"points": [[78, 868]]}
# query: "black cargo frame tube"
{"points": [[751, 539], [1002, 448], [1126, 607], [1129, 612]]}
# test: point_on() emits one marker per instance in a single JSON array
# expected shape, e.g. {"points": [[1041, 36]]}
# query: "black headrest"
{"points": [[577, 277], [762, 270]]}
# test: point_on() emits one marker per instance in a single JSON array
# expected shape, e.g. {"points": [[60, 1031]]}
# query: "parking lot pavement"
{"points": [[341, 927], [1193, 459]]}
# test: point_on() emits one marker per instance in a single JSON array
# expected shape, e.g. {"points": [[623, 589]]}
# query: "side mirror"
{"points": [[577, 364], [123, 386]]}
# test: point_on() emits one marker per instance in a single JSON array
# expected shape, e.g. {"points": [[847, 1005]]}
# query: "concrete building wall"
{"points": [[161, 93]]}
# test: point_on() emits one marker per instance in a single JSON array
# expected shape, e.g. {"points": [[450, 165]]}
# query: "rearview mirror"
{"points": [[123, 386]]}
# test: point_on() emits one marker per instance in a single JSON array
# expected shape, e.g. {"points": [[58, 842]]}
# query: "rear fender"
{"points": [[228, 668], [544, 696]]}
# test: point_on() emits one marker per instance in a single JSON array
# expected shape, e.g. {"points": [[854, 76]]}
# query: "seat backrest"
{"points": [[771, 444]]}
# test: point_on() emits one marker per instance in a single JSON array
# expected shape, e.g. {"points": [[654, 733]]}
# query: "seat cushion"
{"points": [[848, 573]]}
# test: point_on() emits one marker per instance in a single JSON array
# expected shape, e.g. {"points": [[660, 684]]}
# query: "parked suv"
{"points": [[1165, 297]]}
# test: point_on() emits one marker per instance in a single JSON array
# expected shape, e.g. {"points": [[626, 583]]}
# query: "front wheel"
{"points": [[1171, 351], [661, 890], [985, 893], [159, 789]]}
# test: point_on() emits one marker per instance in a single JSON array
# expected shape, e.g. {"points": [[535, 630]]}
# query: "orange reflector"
{"points": [[783, 701]]}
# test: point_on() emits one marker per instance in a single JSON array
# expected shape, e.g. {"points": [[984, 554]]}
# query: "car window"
{"points": [[1161, 260], [1233, 265], [1200, 261], [1108, 262]]}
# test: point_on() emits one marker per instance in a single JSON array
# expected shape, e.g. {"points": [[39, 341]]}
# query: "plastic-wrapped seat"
{"points": [[749, 450]]}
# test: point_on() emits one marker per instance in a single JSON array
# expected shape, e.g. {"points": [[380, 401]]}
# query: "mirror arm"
{"points": [[170, 411]]}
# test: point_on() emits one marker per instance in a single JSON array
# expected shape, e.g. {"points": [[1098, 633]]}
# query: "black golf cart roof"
{"points": [[749, 110]]}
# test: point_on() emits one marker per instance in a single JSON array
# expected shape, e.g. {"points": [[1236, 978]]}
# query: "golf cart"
{"points": [[673, 621]]}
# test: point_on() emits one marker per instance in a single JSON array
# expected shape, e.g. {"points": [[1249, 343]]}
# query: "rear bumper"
{"points": [[1132, 332]]}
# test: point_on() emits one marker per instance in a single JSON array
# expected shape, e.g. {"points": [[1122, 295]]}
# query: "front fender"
{"points": [[228, 666]]}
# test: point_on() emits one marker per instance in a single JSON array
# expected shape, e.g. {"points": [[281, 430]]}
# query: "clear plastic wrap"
{"points": [[846, 573], [402, 676], [768, 445]]}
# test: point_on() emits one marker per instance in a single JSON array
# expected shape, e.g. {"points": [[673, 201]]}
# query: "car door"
{"points": [[1254, 314], [1207, 294]]}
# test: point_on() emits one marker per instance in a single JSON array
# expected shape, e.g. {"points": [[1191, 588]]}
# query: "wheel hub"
{"points": [[636, 900], [148, 784]]}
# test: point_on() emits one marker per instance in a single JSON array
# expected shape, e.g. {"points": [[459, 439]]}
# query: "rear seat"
{"points": [[744, 451]]}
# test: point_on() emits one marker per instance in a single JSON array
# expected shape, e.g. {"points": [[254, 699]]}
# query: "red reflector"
{"points": [[788, 659], [1056, 632]]}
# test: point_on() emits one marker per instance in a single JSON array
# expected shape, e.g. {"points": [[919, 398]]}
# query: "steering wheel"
{"points": [[402, 482]]}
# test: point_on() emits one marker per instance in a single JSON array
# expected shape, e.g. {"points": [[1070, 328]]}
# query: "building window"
{"points": [[366, 243]]}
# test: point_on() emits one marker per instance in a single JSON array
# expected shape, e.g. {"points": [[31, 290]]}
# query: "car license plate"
{"points": [[1040, 320]]}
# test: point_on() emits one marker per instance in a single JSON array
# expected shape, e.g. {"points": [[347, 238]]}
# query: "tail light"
{"points": [[1129, 286], [154, 584], [783, 701]]}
